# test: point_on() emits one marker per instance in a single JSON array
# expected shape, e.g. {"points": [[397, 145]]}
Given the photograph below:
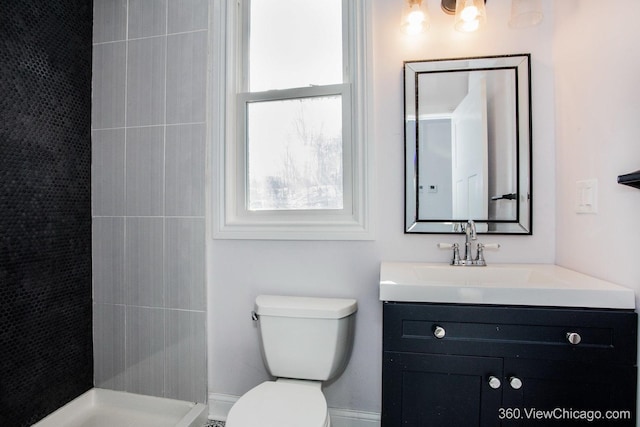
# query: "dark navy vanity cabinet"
{"points": [[452, 365]]}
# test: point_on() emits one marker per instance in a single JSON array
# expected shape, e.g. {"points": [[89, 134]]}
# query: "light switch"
{"points": [[587, 196]]}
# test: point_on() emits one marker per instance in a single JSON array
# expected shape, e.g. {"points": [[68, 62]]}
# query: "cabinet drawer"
{"points": [[529, 332]]}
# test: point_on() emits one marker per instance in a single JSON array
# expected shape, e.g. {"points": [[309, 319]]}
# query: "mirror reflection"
{"points": [[467, 136]]}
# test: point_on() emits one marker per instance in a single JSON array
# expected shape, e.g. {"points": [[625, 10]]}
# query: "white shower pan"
{"points": [[107, 408]]}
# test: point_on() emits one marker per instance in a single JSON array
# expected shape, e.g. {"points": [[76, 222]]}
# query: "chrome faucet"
{"points": [[469, 230]]}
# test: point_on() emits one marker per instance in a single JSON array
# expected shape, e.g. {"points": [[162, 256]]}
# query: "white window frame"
{"points": [[231, 218]]}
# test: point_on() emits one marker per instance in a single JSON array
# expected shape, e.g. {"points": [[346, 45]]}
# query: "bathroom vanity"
{"points": [[505, 345]]}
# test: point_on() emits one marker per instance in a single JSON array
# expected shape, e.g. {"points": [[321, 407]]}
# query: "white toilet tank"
{"points": [[306, 338]]}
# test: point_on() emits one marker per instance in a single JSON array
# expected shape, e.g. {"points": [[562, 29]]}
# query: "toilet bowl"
{"points": [[304, 342], [281, 403]]}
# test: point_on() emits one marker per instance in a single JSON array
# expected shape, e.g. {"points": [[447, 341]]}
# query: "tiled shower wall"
{"points": [[148, 176], [45, 207]]}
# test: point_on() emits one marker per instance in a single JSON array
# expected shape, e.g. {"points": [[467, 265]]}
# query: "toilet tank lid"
{"points": [[305, 307]]}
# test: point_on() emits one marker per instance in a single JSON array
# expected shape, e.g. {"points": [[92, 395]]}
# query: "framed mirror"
{"points": [[468, 144]]}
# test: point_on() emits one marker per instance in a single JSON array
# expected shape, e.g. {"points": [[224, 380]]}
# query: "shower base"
{"points": [[107, 408]]}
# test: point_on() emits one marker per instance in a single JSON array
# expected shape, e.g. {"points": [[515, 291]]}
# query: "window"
{"points": [[292, 158]]}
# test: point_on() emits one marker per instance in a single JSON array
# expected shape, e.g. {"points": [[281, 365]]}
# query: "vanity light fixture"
{"points": [[415, 19], [471, 15]]}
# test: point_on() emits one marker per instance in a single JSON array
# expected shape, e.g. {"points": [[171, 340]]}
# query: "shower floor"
{"points": [[109, 416], [108, 408]]}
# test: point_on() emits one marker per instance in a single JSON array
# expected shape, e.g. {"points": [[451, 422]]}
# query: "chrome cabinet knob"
{"points": [[574, 338], [494, 382], [515, 383], [439, 332]]}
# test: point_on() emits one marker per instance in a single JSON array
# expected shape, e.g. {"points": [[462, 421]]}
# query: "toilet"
{"points": [[305, 342]]}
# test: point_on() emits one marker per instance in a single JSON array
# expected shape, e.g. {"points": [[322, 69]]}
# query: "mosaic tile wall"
{"points": [[45, 217]]}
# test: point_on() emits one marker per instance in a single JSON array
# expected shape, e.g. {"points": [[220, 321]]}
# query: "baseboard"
{"points": [[220, 404], [349, 418]]}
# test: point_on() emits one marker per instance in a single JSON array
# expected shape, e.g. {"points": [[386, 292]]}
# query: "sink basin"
{"points": [[465, 275], [510, 284]]}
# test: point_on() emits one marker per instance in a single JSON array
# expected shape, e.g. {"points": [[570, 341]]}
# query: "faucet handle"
{"points": [[456, 254], [489, 245], [456, 251], [480, 261]]}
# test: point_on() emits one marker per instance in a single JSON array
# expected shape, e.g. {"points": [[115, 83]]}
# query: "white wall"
{"points": [[597, 68], [597, 64], [240, 270]]}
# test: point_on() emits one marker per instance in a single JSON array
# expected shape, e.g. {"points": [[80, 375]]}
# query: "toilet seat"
{"points": [[280, 404]]}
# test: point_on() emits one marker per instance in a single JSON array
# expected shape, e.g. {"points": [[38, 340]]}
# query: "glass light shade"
{"points": [[415, 19], [525, 13], [471, 15]]}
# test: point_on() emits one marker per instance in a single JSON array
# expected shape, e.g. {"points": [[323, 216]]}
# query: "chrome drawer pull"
{"points": [[494, 382], [574, 338], [439, 332], [515, 383]]}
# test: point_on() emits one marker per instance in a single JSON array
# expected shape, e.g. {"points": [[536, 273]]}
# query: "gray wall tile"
{"points": [[145, 351], [146, 81], [145, 171], [186, 355], [185, 154], [184, 263], [143, 261], [186, 77], [108, 260], [187, 15], [107, 172], [109, 20], [142, 85], [147, 18], [109, 72], [108, 346]]}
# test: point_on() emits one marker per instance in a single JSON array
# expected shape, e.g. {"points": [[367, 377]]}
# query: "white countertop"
{"points": [[502, 284]]}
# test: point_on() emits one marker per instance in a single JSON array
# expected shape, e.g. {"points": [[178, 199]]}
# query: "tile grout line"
{"points": [[124, 251], [164, 200], [151, 307], [167, 33], [149, 216], [147, 126]]}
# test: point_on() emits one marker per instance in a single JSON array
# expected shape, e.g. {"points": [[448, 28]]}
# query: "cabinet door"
{"points": [[567, 392], [428, 390]]}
